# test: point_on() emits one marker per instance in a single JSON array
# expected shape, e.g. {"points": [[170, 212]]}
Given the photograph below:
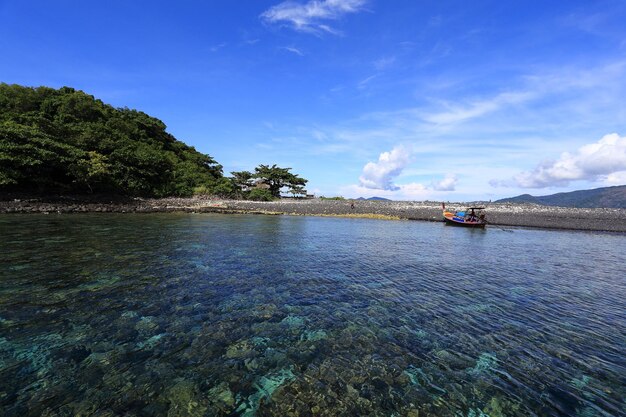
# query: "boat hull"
{"points": [[453, 220]]}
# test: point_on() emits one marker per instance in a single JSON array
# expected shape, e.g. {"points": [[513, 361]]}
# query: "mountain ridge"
{"points": [[374, 199], [603, 197]]}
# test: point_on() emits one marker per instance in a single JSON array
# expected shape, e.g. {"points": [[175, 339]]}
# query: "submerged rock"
{"points": [[265, 311], [241, 349], [265, 387], [146, 325], [151, 342], [293, 322], [183, 400], [485, 362], [221, 397], [313, 335]]}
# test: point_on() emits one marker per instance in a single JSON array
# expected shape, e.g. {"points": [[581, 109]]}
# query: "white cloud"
{"points": [[293, 50], [328, 29], [616, 178], [603, 160], [565, 79], [493, 135], [384, 63], [446, 184], [412, 189], [309, 17], [380, 175], [216, 48], [363, 83], [457, 114]]}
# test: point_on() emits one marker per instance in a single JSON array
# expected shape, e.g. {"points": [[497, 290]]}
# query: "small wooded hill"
{"points": [[67, 141], [608, 197]]}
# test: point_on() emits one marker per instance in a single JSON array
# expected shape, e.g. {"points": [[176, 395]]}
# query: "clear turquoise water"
{"points": [[218, 315]]}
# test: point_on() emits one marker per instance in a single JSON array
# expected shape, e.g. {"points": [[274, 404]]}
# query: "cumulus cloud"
{"points": [[446, 184], [310, 16], [616, 178], [380, 175], [603, 160]]}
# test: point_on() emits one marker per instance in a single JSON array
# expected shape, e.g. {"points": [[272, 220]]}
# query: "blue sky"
{"points": [[410, 100]]}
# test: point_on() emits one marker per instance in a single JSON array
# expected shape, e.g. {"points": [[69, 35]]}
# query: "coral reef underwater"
{"points": [[216, 315]]}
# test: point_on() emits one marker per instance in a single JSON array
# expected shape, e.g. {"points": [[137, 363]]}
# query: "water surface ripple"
{"points": [[220, 315]]}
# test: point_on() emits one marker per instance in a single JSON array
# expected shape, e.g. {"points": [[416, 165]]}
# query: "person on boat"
{"points": [[472, 216]]}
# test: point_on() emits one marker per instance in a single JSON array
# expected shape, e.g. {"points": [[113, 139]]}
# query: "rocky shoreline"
{"points": [[510, 215]]}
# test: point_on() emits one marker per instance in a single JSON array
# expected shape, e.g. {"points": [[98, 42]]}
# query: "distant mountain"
{"points": [[374, 199], [607, 197]]}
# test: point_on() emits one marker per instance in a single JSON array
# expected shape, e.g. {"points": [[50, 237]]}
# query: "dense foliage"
{"points": [[276, 178], [258, 194], [272, 179], [67, 141]]}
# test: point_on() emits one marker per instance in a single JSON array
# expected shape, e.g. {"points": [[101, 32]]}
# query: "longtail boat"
{"points": [[471, 217]]}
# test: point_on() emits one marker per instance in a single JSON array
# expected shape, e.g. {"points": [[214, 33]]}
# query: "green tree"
{"points": [[297, 191], [223, 188], [66, 140], [242, 179], [92, 169], [260, 194], [277, 178], [140, 169], [33, 160]]}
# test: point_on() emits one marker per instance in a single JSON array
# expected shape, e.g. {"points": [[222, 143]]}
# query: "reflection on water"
{"points": [[216, 315]]}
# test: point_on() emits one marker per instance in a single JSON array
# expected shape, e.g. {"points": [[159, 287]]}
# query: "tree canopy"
{"points": [[277, 178], [66, 140]]}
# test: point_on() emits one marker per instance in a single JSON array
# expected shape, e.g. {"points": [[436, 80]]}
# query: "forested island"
{"points": [[60, 141], [64, 151]]}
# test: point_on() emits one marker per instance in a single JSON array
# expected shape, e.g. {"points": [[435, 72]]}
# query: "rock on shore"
{"points": [[498, 214]]}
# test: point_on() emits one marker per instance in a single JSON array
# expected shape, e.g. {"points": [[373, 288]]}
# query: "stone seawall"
{"points": [[512, 215]]}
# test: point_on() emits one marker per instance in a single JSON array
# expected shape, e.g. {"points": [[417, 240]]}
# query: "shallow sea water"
{"points": [[242, 315]]}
